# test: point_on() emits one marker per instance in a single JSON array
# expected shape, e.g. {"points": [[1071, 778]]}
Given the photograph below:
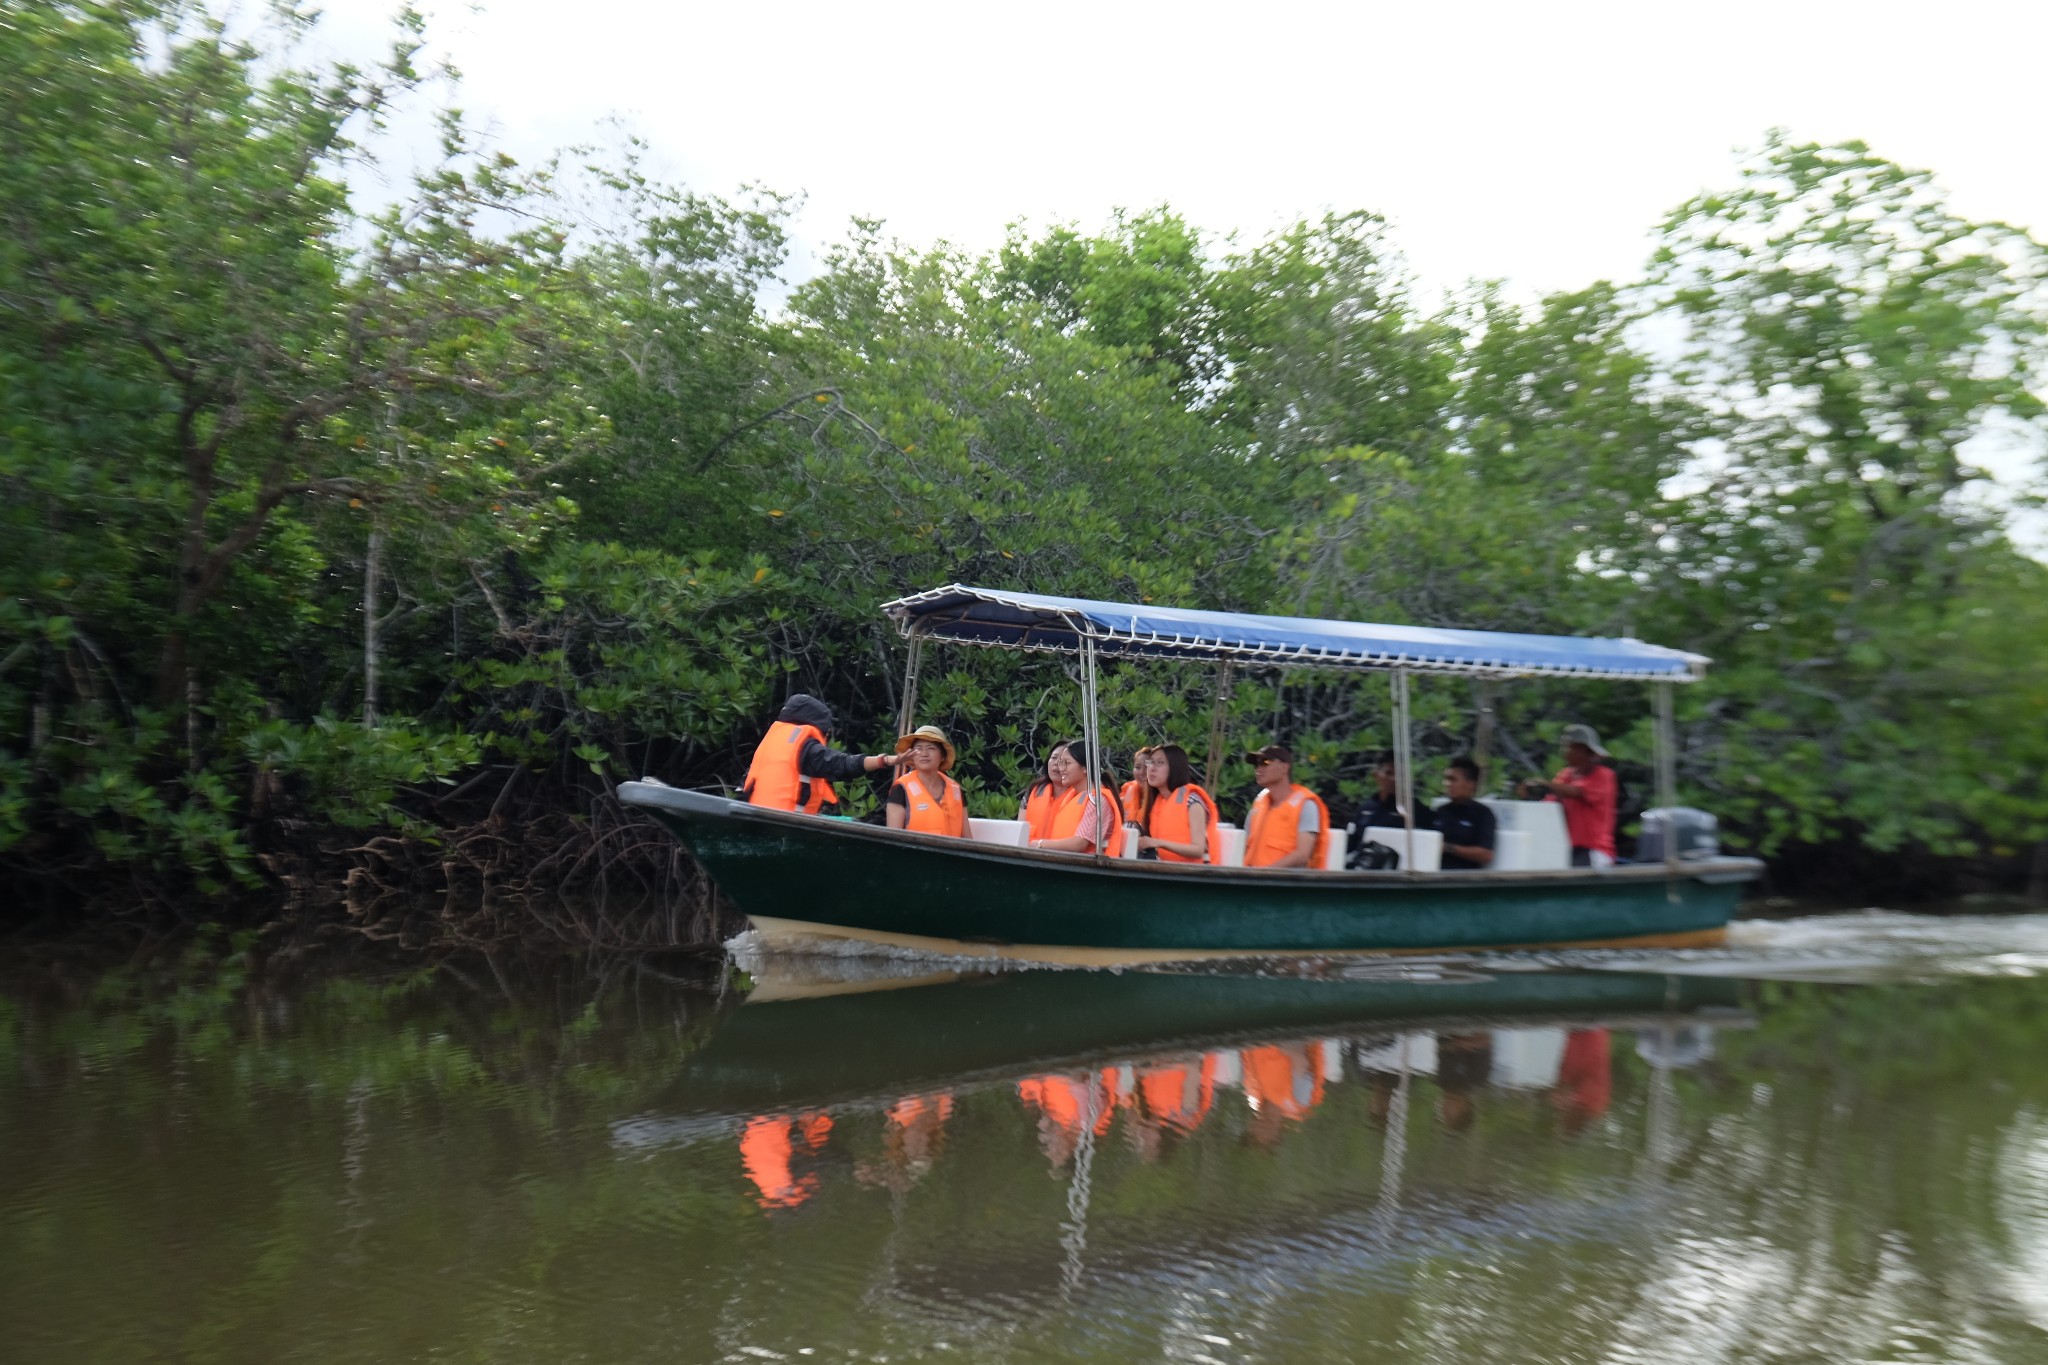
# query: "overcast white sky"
{"points": [[1534, 142], [1538, 143]]}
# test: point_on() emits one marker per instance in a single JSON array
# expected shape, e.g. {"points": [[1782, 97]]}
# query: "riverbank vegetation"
{"points": [[356, 551]]}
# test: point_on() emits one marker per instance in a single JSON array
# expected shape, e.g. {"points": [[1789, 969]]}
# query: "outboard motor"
{"points": [[1694, 833]]}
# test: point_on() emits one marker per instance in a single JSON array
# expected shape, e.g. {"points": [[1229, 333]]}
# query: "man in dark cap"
{"points": [[1289, 826], [794, 768]]}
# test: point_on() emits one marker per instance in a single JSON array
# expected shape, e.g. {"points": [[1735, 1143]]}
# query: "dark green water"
{"points": [[1828, 1143]]}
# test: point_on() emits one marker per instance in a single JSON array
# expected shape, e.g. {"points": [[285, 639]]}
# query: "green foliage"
{"points": [[1851, 336], [352, 775], [526, 461]]}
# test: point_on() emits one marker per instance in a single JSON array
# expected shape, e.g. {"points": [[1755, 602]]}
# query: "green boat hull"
{"points": [[866, 881]]}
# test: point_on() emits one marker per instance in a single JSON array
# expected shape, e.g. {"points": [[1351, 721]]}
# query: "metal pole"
{"points": [[1482, 738], [1213, 774], [1667, 774], [1404, 774], [909, 712], [1092, 737]]}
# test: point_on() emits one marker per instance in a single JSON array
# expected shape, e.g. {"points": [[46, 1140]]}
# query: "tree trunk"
{"points": [[373, 568]]}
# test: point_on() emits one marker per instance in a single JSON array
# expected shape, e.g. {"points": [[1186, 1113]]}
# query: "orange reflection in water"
{"points": [[1283, 1082], [1169, 1101], [1166, 1098], [914, 1135], [1069, 1104], [768, 1146], [1585, 1078]]}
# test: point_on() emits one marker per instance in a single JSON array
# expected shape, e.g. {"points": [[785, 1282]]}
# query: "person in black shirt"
{"points": [[1467, 826], [1381, 809]]}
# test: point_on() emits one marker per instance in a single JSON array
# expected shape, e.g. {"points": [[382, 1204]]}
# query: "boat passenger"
{"points": [[1081, 821], [1132, 795], [1381, 810], [1289, 826], [1467, 826], [1178, 817], [794, 767], [1588, 790], [926, 800], [1035, 809]]}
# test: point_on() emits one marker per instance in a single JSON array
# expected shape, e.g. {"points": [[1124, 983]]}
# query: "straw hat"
{"points": [[936, 736]]}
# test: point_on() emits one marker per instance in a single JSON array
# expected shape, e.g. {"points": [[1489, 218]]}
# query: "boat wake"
{"points": [[1859, 946]]}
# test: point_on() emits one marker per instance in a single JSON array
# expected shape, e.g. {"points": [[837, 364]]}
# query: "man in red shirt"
{"points": [[1586, 787]]}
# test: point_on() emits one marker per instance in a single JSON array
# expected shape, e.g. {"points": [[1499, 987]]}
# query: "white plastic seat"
{"points": [[1009, 833], [1543, 821], [1340, 843], [1512, 850], [1429, 847]]}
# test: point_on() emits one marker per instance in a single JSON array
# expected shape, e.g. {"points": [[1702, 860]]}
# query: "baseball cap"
{"points": [[1586, 735]]}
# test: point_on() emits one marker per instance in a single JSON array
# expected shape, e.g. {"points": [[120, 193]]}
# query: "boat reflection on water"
{"points": [[1159, 1057]]}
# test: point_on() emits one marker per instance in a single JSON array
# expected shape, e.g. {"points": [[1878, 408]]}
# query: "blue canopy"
{"points": [[1022, 620]]}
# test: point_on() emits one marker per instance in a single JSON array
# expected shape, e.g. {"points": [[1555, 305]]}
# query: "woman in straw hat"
{"points": [[925, 799]]}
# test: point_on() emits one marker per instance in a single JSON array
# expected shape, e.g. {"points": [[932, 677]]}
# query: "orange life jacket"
{"points": [[1036, 812], [1169, 820], [1132, 799], [1267, 841], [773, 779], [1066, 820], [947, 815], [767, 1147], [911, 1108], [1178, 1096], [1287, 1077], [1067, 1102]]}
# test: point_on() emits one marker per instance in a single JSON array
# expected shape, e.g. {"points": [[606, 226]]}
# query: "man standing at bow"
{"points": [[1588, 791]]}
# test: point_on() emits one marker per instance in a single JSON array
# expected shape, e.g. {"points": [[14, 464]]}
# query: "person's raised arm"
{"points": [[822, 760]]}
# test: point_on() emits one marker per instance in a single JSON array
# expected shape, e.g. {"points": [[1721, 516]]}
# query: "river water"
{"points": [[1827, 1142]]}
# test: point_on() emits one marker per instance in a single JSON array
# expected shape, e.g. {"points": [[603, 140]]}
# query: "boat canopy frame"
{"points": [[958, 614], [1032, 622]]}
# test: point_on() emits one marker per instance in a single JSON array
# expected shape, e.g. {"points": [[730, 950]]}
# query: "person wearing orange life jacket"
{"points": [[925, 800], [1035, 807], [1081, 821], [1131, 797], [794, 767], [1178, 817], [1289, 826]]}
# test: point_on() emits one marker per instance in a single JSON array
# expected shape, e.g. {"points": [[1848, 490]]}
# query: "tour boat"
{"points": [[811, 881]]}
